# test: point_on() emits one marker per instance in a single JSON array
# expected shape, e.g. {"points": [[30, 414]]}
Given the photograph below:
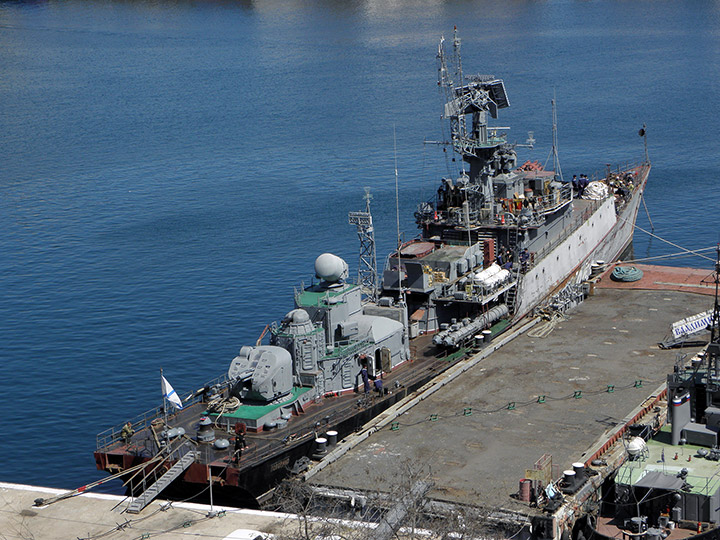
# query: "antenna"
{"points": [[401, 294], [556, 158], [367, 265]]}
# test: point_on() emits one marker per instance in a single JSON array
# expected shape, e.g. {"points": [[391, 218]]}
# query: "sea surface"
{"points": [[169, 170]]}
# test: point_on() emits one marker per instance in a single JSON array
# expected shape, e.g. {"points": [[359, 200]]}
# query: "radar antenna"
{"points": [[554, 150], [367, 263]]}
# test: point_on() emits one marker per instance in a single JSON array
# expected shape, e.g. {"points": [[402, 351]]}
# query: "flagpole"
{"points": [[162, 388]]}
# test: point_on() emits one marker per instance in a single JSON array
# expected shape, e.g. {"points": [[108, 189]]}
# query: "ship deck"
{"points": [[477, 437], [261, 446]]}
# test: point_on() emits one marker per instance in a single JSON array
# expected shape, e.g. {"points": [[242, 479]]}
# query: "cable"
{"points": [[678, 255], [539, 400], [666, 241]]}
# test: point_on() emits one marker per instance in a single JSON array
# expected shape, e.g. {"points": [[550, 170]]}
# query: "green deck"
{"points": [[311, 298], [703, 474], [253, 412]]}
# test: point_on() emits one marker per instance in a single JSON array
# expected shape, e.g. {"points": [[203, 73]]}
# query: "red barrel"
{"points": [[525, 490]]}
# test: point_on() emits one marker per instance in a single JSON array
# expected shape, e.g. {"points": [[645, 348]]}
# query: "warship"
{"points": [[495, 244]]}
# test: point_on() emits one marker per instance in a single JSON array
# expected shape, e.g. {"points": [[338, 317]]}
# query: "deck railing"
{"points": [[112, 435], [567, 230]]}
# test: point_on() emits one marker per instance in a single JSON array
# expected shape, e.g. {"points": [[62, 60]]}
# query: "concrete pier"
{"points": [[93, 515], [562, 394]]}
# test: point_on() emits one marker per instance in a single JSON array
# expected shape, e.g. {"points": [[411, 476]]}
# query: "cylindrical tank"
{"points": [[524, 491], [679, 416], [569, 477]]}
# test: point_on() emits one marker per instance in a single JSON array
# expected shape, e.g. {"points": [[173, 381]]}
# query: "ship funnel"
{"points": [[679, 416]]}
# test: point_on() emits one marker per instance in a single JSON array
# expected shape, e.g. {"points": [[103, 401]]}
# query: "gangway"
{"points": [[180, 466]]}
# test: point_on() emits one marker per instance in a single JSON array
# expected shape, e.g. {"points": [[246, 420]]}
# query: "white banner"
{"points": [[691, 325]]}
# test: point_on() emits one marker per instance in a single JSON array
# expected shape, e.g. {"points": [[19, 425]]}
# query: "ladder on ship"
{"points": [[511, 295], [188, 455], [513, 234]]}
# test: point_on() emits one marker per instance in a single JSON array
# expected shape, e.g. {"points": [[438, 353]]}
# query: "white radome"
{"points": [[330, 268], [636, 446]]}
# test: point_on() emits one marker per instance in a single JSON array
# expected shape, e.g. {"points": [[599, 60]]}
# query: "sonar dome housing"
{"points": [[330, 268]]}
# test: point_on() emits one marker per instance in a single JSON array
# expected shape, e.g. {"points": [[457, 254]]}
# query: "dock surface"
{"points": [[92, 516], [557, 395]]}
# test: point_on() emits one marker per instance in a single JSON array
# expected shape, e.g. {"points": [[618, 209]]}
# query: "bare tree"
{"points": [[403, 511]]}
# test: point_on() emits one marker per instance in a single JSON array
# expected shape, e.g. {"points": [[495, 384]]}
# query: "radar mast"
{"points": [[367, 263]]}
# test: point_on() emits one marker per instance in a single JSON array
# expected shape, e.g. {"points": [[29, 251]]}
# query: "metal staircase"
{"points": [[512, 238], [165, 480], [511, 295]]}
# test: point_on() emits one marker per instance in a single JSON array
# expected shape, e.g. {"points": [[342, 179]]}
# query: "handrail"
{"points": [[106, 438]]}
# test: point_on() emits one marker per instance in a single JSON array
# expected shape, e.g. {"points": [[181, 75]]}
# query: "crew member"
{"points": [[240, 430], [524, 256], [127, 433], [239, 445], [365, 379], [363, 359]]}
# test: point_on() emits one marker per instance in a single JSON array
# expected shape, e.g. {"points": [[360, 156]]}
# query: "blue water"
{"points": [[170, 170]]}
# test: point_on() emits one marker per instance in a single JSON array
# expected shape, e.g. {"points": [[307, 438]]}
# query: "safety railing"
{"points": [[112, 435]]}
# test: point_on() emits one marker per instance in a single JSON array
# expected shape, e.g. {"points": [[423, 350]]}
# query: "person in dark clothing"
{"points": [[582, 184], [240, 430], [365, 379], [239, 445], [524, 256], [379, 386]]}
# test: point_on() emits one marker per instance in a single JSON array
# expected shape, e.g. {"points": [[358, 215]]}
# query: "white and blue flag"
{"points": [[170, 394]]}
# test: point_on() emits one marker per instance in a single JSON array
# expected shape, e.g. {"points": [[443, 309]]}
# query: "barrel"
{"points": [[524, 490]]}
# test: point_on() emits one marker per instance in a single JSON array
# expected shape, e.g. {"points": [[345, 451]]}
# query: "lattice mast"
{"points": [[367, 263], [469, 103]]}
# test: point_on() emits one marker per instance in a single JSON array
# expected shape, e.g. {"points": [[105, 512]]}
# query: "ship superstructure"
{"points": [[523, 218]]}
